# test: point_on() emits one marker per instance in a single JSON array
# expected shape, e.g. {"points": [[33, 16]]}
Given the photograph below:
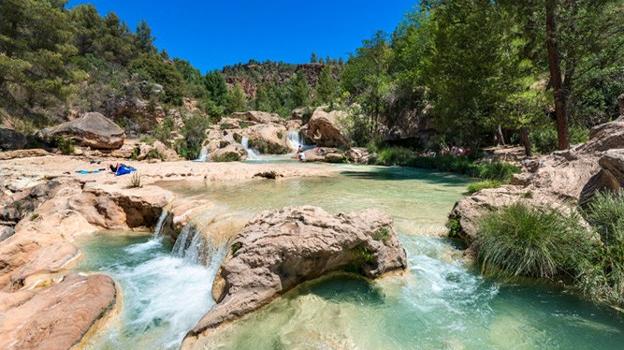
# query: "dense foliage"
{"points": [[539, 242], [486, 70]]}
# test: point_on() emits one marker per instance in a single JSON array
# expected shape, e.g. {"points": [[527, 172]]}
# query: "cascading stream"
{"points": [[252, 154]]}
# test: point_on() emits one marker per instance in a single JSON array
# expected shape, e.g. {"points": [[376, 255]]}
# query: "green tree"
{"points": [[299, 91], [216, 87], [327, 88], [313, 58], [144, 38], [154, 69], [236, 100]]}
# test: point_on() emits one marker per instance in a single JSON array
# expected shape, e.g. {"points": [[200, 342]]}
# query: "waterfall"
{"points": [[160, 223], [193, 246], [203, 155], [295, 140], [252, 154]]}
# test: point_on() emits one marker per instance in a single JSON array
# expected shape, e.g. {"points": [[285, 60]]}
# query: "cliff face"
{"points": [[252, 74]]}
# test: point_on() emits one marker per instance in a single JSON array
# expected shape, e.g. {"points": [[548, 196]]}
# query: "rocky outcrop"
{"points": [[11, 140], [156, 150], [360, 155], [232, 152], [324, 154], [58, 317], [280, 249], [268, 138], [23, 153], [256, 117], [92, 130], [561, 180], [324, 129]]}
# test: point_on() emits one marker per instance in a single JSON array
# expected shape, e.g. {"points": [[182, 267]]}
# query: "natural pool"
{"points": [[437, 304]]}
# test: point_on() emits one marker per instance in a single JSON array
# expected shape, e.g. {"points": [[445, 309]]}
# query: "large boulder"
{"points": [[610, 177], [268, 138], [58, 317], [11, 140], [324, 154], [605, 136], [324, 129], [280, 249], [232, 152], [156, 150], [360, 155], [92, 129]]}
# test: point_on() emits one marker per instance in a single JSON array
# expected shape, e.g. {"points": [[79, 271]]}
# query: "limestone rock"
{"points": [[92, 129], [268, 138], [324, 154], [604, 137], [324, 129], [230, 153], [23, 153], [359, 155], [256, 117], [57, 317], [280, 249], [157, 150]]}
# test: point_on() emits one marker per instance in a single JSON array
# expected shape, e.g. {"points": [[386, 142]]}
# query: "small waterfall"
{"points": [[161, 222], [294, 139], [203, 155], [252, 154], [192, 246]]}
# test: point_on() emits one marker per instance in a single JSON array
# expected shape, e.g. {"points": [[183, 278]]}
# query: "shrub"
{"points": [[496, 171], [533, 242], [135, 181], [395, 156], [162, 132], [381, 234], [545, 140], [481, 185], [454, 227], [602, 275], [66, 146], [193, 134]]}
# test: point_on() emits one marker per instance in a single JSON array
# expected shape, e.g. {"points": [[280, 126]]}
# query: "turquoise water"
{"points": [[437, 304]]}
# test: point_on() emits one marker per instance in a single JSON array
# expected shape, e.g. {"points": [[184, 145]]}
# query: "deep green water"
{"points": [[437, 304]]}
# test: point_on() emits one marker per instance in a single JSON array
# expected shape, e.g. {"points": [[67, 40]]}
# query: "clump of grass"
{"points": [[454, 227], [601, 276], [65, 145], [481, 185], [135, 181], [382, 234], [535, 242], [395, 156], [236, 247]]}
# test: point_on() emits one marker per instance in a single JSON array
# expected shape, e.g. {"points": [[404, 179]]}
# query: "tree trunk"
{"points": [[526, 142], [556, 80], [500, 138]]}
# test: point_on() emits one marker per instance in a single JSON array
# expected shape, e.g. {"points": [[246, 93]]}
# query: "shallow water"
{"points": [[437, 304]]}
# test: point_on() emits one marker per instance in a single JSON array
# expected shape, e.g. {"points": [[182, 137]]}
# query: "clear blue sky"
{"points": [[214, 33]]}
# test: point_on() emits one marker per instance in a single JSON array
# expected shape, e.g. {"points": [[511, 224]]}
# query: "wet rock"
{"points": [[280, 249], [92, 129], [271, 175], [325, 129], [57, 317]]}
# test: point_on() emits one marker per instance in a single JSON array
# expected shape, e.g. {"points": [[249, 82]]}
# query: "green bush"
{"points": [[395, 156], [193, 134], [602, 275], [545, 140], [533, 242], [481, 185], [66, 146], [496, 171]]}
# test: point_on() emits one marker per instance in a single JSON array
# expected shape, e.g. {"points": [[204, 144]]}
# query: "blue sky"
{"points": [[212, 34]]}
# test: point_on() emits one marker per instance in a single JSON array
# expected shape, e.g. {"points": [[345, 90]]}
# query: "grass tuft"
{"points": [[481, 185]]}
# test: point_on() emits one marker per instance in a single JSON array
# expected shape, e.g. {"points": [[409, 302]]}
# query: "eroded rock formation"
{"points": [[280, 249], [325, 129], [91, 130]]}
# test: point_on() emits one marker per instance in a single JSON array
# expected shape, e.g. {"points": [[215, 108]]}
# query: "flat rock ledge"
{"points": [[280, 249]]}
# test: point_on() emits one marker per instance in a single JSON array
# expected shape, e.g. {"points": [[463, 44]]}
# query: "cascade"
{"points": [[160, 223], [193, 246], [252, 154], [203, 155]]}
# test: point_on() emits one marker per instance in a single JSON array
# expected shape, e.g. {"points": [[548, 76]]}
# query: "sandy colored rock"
{"points": [[58, 317], [324, 129], [604, 137], [92, 129], [230, 153], [257, 117], [359, 155], [23, 153], [268, 138], [280, 249]]}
